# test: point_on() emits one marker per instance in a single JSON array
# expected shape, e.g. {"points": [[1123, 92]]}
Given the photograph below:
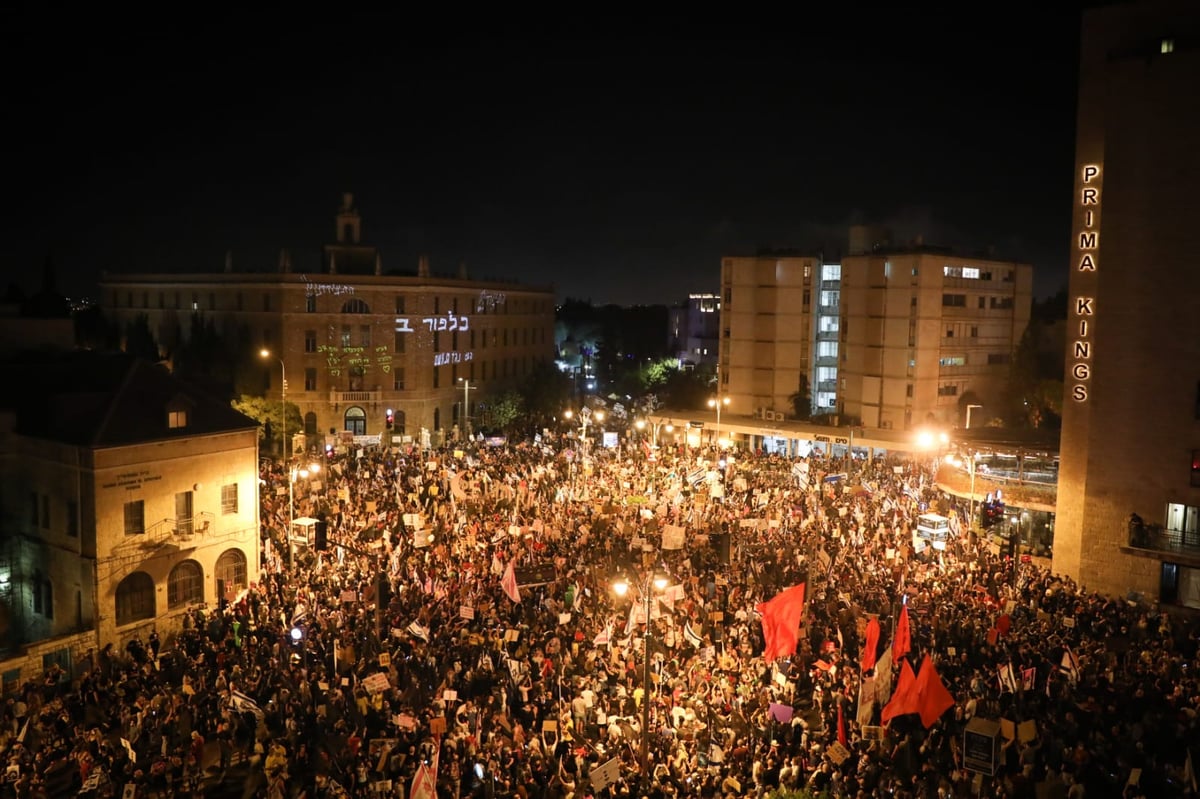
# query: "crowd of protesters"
{"points": [[459, 629]]}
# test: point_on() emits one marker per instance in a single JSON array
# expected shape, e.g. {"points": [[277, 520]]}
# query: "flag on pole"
{"points": [[604, 637], [904, 698], [841, 725], [902, 643], [871, 647], [1028, 678], [1005, 677], [509, 583], [418, 631], [781, 618], [424, 785], [1070, 665], [1189, 772], [932, 697], [691, 635]]}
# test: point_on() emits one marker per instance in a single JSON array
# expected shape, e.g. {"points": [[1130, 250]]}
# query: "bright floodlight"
{"points": [[660, 583], [925, 439], [265, 353], [297, 634], [621, 587]]}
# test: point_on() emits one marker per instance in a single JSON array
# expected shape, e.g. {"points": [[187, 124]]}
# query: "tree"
{"points": [[269, 414], [139, 341], [204, 358], [689, 389], [545, 391], [802, 400], [502, 411]]}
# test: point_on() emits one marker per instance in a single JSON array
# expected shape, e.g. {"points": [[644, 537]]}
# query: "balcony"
{"points": [[827, 386], [829, 310], [827, 360], [350, 397], [1157, 538]]}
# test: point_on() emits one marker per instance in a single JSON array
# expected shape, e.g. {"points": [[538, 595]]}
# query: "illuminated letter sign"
{"points": [[1087, 261]]}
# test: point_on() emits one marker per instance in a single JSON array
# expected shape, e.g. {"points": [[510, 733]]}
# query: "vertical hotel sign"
{"points": [[1087, 254]]}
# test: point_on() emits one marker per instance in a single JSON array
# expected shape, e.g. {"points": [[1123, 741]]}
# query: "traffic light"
{"points": [[321, 535], [391, 418]]}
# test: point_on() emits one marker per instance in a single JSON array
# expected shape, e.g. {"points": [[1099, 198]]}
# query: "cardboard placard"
{"points": [[717, 616], [1008, 729], [437, 725], [349, 596], [466, 612], [371, 506], [385, 659], [837, 752], [1027, 731], [1069, 622], [549, 725]]}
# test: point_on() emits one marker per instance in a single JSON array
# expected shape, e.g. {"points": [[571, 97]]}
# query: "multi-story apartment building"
{"points": [[126, 498], [925, 334], [356, 341], [695, 330], [1131, 410], [767, 329], [891, 338]]}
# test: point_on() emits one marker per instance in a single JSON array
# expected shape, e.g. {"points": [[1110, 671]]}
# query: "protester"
{"points": [[460, 630]]}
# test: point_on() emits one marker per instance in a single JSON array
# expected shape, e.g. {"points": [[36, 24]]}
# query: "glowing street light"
{"points": [[717, 402], [658, 583]]}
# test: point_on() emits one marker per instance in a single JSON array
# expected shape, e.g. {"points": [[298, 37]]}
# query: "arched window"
{"points": [[231, 572], [185, 584], [356, 420], [310, 424], [135, 598], [398, 423], [437, 418], [355, 306]]}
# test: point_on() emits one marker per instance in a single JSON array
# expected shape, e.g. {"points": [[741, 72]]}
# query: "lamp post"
{"points": [[969, 408], [466, 411], [585, 418], [621, 587], [951, 459], [717, 402], [265, 353]]}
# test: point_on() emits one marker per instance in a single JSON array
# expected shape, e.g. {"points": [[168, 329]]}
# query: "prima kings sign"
{"points": [[1083, 303]]}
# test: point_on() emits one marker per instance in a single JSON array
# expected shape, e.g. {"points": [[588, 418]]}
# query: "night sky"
{"points": [[618, 160]]}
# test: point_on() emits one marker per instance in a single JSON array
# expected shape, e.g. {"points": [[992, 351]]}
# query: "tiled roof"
{"points": [[98, 399]]}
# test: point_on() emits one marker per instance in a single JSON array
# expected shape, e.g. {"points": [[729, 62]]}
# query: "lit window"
{"points": [[1166, 46], [1196, 467], [176, 419]]}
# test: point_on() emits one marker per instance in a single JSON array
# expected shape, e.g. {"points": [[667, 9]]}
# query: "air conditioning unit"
{"points": [[761, 412], [775, 416]]}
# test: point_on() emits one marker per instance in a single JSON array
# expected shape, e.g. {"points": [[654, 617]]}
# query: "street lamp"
{"points": [[585, 417], [970, 459], [621, 587], [293, 473], [969, 407], [283, 428], [466, 412], [717, 402]]}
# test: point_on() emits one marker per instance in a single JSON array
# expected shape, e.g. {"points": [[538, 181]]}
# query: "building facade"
{"points": [[1131, 411], [925, 333], [767, 329], [353, 341], [695, 330], [890, 339], [128, 499]]}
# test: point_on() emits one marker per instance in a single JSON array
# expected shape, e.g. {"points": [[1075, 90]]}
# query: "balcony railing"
{"points": [[1160, 539], [355, 396]]}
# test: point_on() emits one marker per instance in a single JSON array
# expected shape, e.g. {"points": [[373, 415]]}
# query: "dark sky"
{"points": [[618, 160]]}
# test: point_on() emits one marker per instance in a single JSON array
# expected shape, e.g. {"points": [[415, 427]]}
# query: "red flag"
{"points": [[871, 647], [509, 583], [841, 725], [932, 697], [904, 698], [902, 643], [1003, 624], [781, 621]]}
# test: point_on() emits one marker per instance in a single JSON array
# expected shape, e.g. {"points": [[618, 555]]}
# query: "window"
{"points": [[954, 300], [355, 306], [982, 303], [435, 377], [33, 508], [948, 391], [1166, 46], [238, 298], [806, 297], [400, 304], [310, 341], [974, 331], [398, 378], [212, 302], [72, 519], [310, 304], [196, 301], [949, 332], [45, 511], [229, 498], [346, 342], [399, 343], [266, 302], [364, 335], [135, 517], [996, 358], [47, 589], [1002, 303], [231, 571], [310, 379], [135, 598], [953, 360], [437, 342], [185, 585], [176, 419], [908, 390], [162, 301], [1196, 467]]}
